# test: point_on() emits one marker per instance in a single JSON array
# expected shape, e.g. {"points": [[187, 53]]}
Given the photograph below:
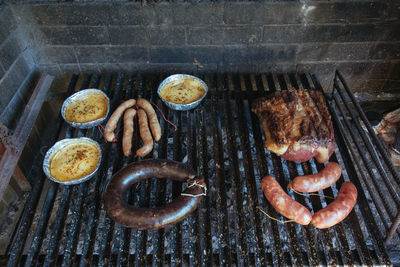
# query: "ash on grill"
{"points": [[223, 141]]}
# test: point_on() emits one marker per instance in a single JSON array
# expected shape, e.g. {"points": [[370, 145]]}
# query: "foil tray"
{"points": [[77, 96], [59, 146], [177, 78]]}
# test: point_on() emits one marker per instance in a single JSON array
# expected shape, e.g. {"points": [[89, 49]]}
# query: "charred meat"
{"points": [[297, 124]]}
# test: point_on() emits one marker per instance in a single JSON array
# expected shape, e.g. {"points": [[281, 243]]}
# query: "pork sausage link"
{"points": [[151, 218], [318, 181], [113, 120], [283, 203], [154, 124], [145, 134], [128, 131], [336, 211]]}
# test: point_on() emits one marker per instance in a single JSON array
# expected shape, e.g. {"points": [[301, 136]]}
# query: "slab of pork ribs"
{"points": [[297, 124]]}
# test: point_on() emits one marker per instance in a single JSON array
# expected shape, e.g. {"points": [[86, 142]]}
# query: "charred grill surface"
{"points": [[222, 141]]}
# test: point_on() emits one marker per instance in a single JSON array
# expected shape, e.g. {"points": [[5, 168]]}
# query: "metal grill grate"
{"points": [[221, 139]]}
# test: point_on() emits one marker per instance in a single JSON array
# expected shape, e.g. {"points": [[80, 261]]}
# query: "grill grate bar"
{"points": [[236, 187], [301, 169], [249, 171], [223, 140], [377, 142], [160, 235], [18, 240], [283, 176], [368, 145], [387, 193], [124, 233], [361, 200], [382, 159], [340, 234], [205, 219], [221, 203], [176, 233], [107, 235], [94, 205], [381, 195], [356, 232], [76, 210]]}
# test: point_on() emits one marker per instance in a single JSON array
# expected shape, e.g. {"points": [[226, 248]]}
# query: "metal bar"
{"points": [[356, 229], [264, 160], [193, 219], [367, 163], [237, 184], [40, 228], [124, 232], [58, 224], [94, 206], [106, 245], [205, 205], [393, 228], [378, 142], [375, 158], [221, 207], [159, 236], [146, 190], [21, 232], [369, 221], [284, 168], [76, 210], [176, 246], [9, 159], [340, 235], [62, 212]]}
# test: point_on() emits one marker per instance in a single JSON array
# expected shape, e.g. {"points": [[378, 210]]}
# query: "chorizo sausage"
{"points": [[318, 181], [152, 218], [283, 203], [154, 124], [336, 211], [113, 120], [145, 134], [128, 131]]}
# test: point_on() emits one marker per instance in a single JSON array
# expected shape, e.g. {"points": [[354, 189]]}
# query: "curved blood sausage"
{"points": [[315, 182], [336, 211], [151, 218], [283, 203]]}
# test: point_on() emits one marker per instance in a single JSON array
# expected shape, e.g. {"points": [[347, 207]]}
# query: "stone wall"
{"points": [[361, 38], [16, 66]]}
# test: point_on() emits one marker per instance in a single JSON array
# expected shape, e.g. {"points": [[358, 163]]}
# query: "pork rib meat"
{"points": [[297, 124]]}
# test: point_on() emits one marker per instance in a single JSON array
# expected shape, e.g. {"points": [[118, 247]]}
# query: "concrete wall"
{"points": [[362, 38]]}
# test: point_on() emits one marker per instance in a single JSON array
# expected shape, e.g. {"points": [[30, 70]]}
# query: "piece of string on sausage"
{"points": [[102, 129], [272, 218], [162, 114], [195, 183], [312, 194]]}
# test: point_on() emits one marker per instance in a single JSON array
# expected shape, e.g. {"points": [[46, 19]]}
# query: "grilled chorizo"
{"points": [[283, 203], [336, 211], [128, 131], [113, 120], [318, 181], [145, 134], [153, 120], [152, 218]]}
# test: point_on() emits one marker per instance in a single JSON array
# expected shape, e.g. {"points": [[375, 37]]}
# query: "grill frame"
{"points": [[231, 95]]}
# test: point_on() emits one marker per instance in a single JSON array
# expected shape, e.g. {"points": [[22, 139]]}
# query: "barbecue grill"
{"points": [[223, 140]]}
